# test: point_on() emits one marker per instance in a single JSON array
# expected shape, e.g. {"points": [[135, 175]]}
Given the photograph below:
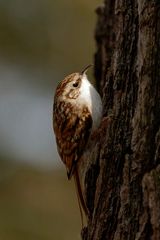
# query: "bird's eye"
{"points": [[75, 84]]}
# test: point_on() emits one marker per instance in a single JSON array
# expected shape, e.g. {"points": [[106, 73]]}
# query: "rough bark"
{"points": [[122, 181]]}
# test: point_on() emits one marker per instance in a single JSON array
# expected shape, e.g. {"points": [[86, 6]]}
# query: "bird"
{"points": [[77, 113]]}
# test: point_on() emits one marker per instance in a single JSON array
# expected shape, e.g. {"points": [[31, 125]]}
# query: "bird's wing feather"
{"points": [[72, 129]]}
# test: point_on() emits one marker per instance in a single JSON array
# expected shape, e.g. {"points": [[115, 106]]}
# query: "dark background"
{"points": [[40, 42]]}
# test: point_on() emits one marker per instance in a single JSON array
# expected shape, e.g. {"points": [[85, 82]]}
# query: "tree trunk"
{"points": [[122, 182]]}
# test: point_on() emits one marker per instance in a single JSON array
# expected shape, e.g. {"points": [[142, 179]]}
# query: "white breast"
{"points": [[90, 97]]}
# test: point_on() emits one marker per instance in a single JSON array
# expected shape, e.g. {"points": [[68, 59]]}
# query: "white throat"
{"points": [[90, 97]]}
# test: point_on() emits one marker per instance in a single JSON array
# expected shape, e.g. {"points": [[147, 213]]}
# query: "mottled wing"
{"points": [[72, 129]]}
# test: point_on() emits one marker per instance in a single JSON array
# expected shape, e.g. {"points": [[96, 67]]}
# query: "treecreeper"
{"points": [[77, 113]]}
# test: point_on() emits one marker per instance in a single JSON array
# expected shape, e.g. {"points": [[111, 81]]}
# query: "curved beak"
{"points": [[86, 68]]}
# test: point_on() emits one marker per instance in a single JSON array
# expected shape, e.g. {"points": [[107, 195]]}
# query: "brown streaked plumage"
{"points": [[76, 112], [71, 132]]}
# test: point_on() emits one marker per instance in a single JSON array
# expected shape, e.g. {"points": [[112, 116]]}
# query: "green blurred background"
{"points": [[41, 41]]}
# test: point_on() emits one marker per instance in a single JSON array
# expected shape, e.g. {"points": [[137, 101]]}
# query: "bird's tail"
{"points": [[81, 201]]}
